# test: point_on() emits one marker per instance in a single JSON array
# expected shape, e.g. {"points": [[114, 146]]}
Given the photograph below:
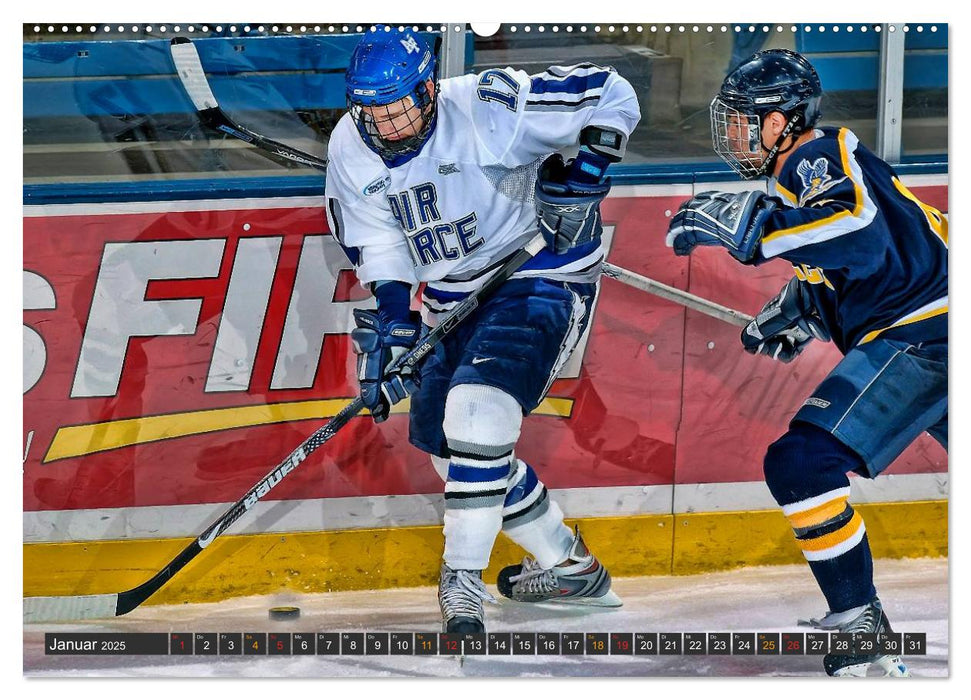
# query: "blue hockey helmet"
{"points": [[774, 80], [388, 92]]}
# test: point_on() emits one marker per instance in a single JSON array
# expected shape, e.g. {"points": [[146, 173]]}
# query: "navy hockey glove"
{"points": [[378, 344], [785, 326], [734, 220], [568, 197]]}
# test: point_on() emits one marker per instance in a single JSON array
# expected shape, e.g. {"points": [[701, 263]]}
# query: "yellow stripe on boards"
{"points": [[80, 440], [312, 562]]}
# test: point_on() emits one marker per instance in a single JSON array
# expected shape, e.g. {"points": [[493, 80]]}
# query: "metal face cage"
{"points": [[398, 128], [737, 139]]}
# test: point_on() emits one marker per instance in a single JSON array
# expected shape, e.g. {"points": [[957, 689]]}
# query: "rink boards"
{"points": [[175, 352]]}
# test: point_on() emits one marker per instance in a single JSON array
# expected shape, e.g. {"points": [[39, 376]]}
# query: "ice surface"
{"points": [[762, 599]]}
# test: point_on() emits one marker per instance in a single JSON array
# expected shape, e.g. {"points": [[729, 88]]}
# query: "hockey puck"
{"points": [[288, 612]]}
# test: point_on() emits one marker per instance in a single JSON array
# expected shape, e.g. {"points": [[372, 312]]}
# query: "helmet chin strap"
{"points": [[773, 153]]}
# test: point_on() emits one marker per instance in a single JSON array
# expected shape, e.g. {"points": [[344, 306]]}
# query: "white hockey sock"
{"points": [[470, 535], [481, 426], [545, 537]]}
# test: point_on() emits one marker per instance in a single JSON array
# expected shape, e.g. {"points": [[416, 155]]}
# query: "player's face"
{"points": [[742, 136], [397, 121]]}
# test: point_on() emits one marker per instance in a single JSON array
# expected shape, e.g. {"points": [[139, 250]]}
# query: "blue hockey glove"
{"points": [[734, 220], [786, 325], [568, 197], [378, 344]]}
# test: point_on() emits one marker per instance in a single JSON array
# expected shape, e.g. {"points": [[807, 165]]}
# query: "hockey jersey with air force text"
{"points": [[873, 255], [450, 215]]}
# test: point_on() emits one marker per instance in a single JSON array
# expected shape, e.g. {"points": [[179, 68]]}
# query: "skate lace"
{"points": [[865, 623], [464, 596], [533, 578]]}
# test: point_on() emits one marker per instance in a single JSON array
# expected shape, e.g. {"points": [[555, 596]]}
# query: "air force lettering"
{"points": [[454, 211], [430, 239]]}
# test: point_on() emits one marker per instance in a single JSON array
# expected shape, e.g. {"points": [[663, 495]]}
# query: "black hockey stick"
{"points": [[63, 608], [189, 68]]}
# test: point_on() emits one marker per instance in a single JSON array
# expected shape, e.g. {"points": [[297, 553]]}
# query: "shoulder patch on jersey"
{"points": [[815, 179], [378, 185]]}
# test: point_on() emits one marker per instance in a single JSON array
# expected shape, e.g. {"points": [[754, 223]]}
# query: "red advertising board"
{"points": [[175, 352]]}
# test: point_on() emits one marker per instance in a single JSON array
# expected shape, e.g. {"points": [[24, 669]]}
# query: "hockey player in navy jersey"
{"points": [[440, 181], [870, 265]]}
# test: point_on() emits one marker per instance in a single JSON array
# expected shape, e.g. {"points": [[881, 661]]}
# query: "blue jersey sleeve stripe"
{"points": [[547, 259], [572, 85], [442, 296]]}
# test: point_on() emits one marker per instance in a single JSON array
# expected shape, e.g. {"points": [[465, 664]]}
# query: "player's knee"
{"points": [[480, 415], [779, 466], [805, 462]]}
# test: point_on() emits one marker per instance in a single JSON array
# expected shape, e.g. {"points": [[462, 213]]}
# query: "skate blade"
{"points": [[610, 600]]}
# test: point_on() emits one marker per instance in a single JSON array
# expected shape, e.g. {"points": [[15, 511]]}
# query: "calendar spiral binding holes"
{"points": [[123, 31]]}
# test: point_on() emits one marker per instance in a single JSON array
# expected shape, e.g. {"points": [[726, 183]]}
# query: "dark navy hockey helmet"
{"points": [[388, 94], [774, 80]]}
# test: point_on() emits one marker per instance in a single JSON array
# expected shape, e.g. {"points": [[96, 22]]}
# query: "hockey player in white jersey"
{"points": [[441, 181]]}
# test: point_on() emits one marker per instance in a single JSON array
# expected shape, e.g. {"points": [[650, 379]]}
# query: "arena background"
{"points": [[186, 316]]}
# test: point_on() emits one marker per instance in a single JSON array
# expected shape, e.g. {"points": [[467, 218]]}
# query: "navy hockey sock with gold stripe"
{"points": [[806, 472]]}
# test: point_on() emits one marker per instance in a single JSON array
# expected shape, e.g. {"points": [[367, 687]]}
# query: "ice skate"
{"points": [[460, 594], [581, 580], [866, 619]]}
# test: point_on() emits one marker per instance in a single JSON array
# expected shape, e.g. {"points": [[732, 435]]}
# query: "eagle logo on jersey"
{"points": [[815, 179]]}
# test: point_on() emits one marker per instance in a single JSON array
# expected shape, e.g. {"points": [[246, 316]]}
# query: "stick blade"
{"points": [[189, 67], [69, 608]]}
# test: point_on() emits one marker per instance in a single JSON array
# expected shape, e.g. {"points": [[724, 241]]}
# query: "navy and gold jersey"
{"points": [[873, 255]]}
